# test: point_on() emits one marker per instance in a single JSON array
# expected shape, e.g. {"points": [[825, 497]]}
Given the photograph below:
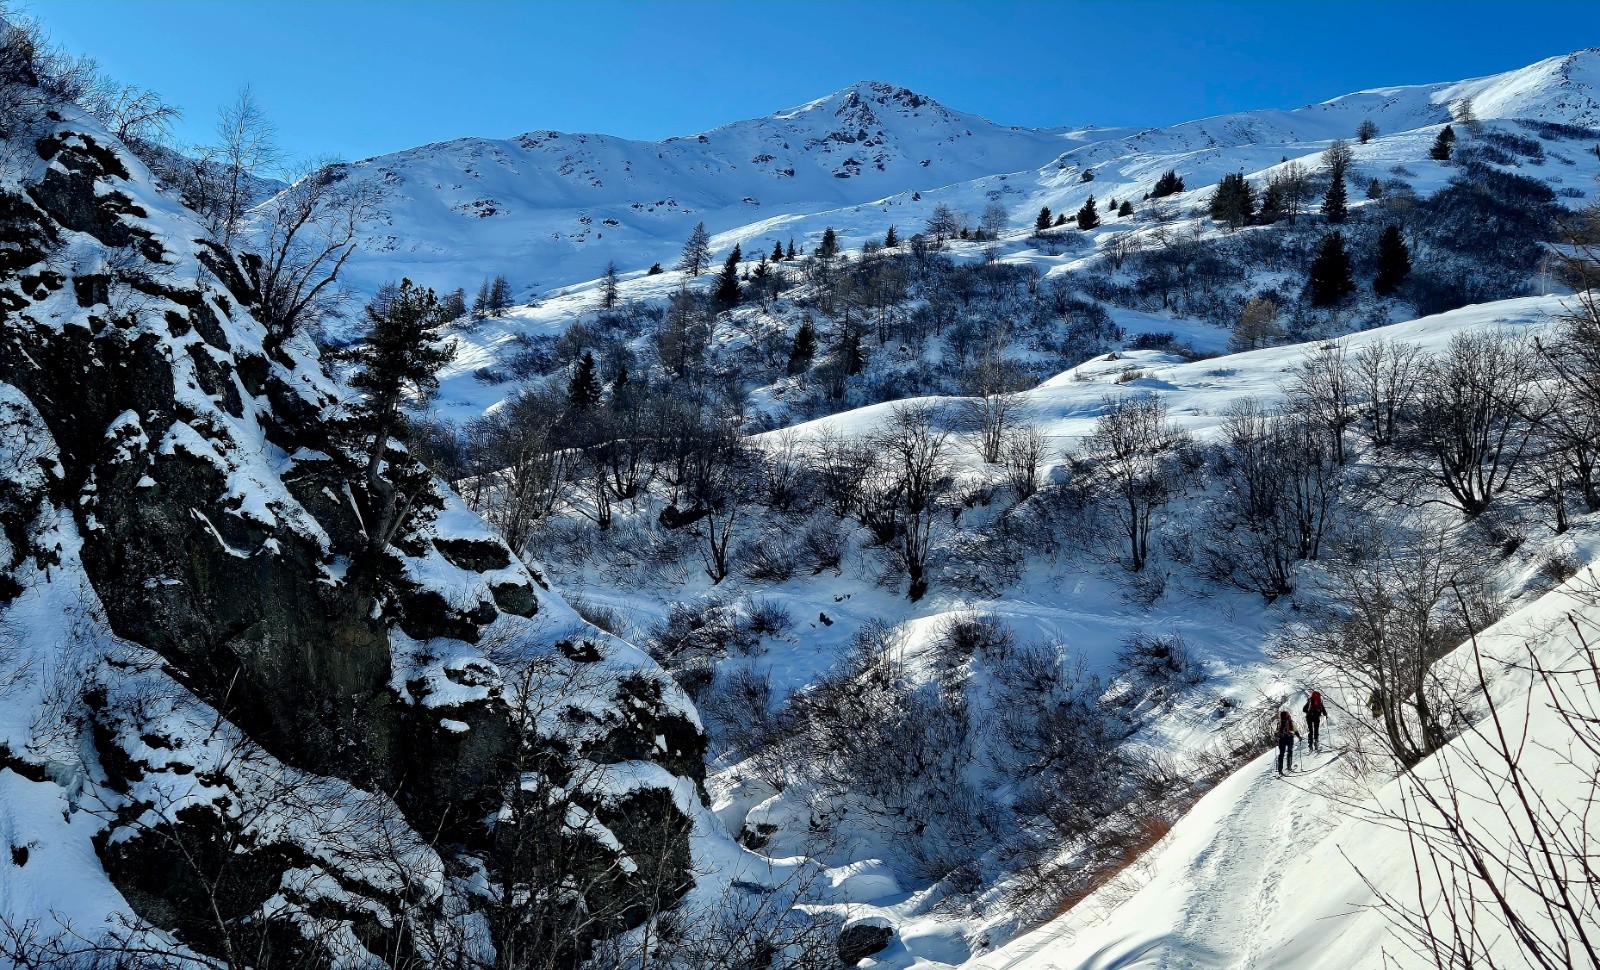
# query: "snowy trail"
{"points": [[1237, 882], [1220, 880]]}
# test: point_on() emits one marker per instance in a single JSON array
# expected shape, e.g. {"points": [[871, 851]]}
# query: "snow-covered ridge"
{"points": [[549, 209]]}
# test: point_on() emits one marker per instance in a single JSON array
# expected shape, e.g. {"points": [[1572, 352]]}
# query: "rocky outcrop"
{"points": [[241, 667]]}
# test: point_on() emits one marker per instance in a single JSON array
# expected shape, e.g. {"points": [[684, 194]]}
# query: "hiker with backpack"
{"points": [[1314, 712], [1288, 733]]}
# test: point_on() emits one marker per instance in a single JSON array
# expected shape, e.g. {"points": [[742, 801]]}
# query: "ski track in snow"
{"points": [[1236, 881]]}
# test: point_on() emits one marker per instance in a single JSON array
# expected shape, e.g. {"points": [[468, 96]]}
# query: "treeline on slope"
{"points": [[793, 336], [1326, 267]]}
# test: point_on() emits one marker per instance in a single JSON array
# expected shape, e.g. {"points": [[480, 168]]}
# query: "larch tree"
{"points": [[609, 290], [696, 251]]}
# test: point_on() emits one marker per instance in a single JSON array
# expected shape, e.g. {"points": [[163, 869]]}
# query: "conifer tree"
{"points": [[1088, 216], [1443, 145], [726, 293], [1125, 209], [1394, 262], [777, 252], [654, 270], [1233, 202], [1330, 280], [803, 350], [791, 254], [891, 239], [398, 360], [583, 391], [696, 251], [829, 247], [1335, 205], [1043, 222], [1061, 218], [1169, 183], [1271, 204]]}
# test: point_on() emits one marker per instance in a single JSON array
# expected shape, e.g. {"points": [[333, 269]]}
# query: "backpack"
{"points": [[1285, 726], [1313, 706]]}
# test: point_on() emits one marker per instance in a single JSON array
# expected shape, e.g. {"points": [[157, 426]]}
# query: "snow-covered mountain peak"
{"points": [[855, 104]]}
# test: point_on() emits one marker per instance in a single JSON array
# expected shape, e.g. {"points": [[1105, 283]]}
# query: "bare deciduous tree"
{"points": [[1135, 451], [1385, 375], [1473, 420]]}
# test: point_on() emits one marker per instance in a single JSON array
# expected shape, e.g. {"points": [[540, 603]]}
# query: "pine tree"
{"points": [[1233, 202], [1061, 218], [1394, 262], [891, 239], [1367, 130], [791, 254], [1374, 189], [398, 360], [829, 247], [726, 292], [1330, 280], [777, 252], [583, 391], [1271, 204], [696, 251], [1043, 222], [654, 270], [1088, 216], [1125, 209], [609, 290], [1169, 183], [1335, 204], [1444, 145], [803, 350]]}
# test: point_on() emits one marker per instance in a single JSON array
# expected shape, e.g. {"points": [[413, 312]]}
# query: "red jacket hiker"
{"points": [[1314, 712]]}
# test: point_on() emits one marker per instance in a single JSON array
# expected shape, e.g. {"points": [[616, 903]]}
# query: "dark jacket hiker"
{"points": [[1287, 732]]}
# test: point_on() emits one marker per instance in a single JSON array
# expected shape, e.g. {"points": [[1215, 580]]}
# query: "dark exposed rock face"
{"points": [[862, 939], [220, 506]]}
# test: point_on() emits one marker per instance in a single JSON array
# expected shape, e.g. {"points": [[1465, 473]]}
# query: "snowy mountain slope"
{"points": [[1271, 872], [550, 209]]}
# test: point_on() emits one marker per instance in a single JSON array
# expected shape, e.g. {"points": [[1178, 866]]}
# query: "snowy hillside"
{"points": [[1269, 872], [550, 209]]}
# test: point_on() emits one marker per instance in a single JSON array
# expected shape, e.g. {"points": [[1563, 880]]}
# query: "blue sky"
{"points": [[352, 79]]}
